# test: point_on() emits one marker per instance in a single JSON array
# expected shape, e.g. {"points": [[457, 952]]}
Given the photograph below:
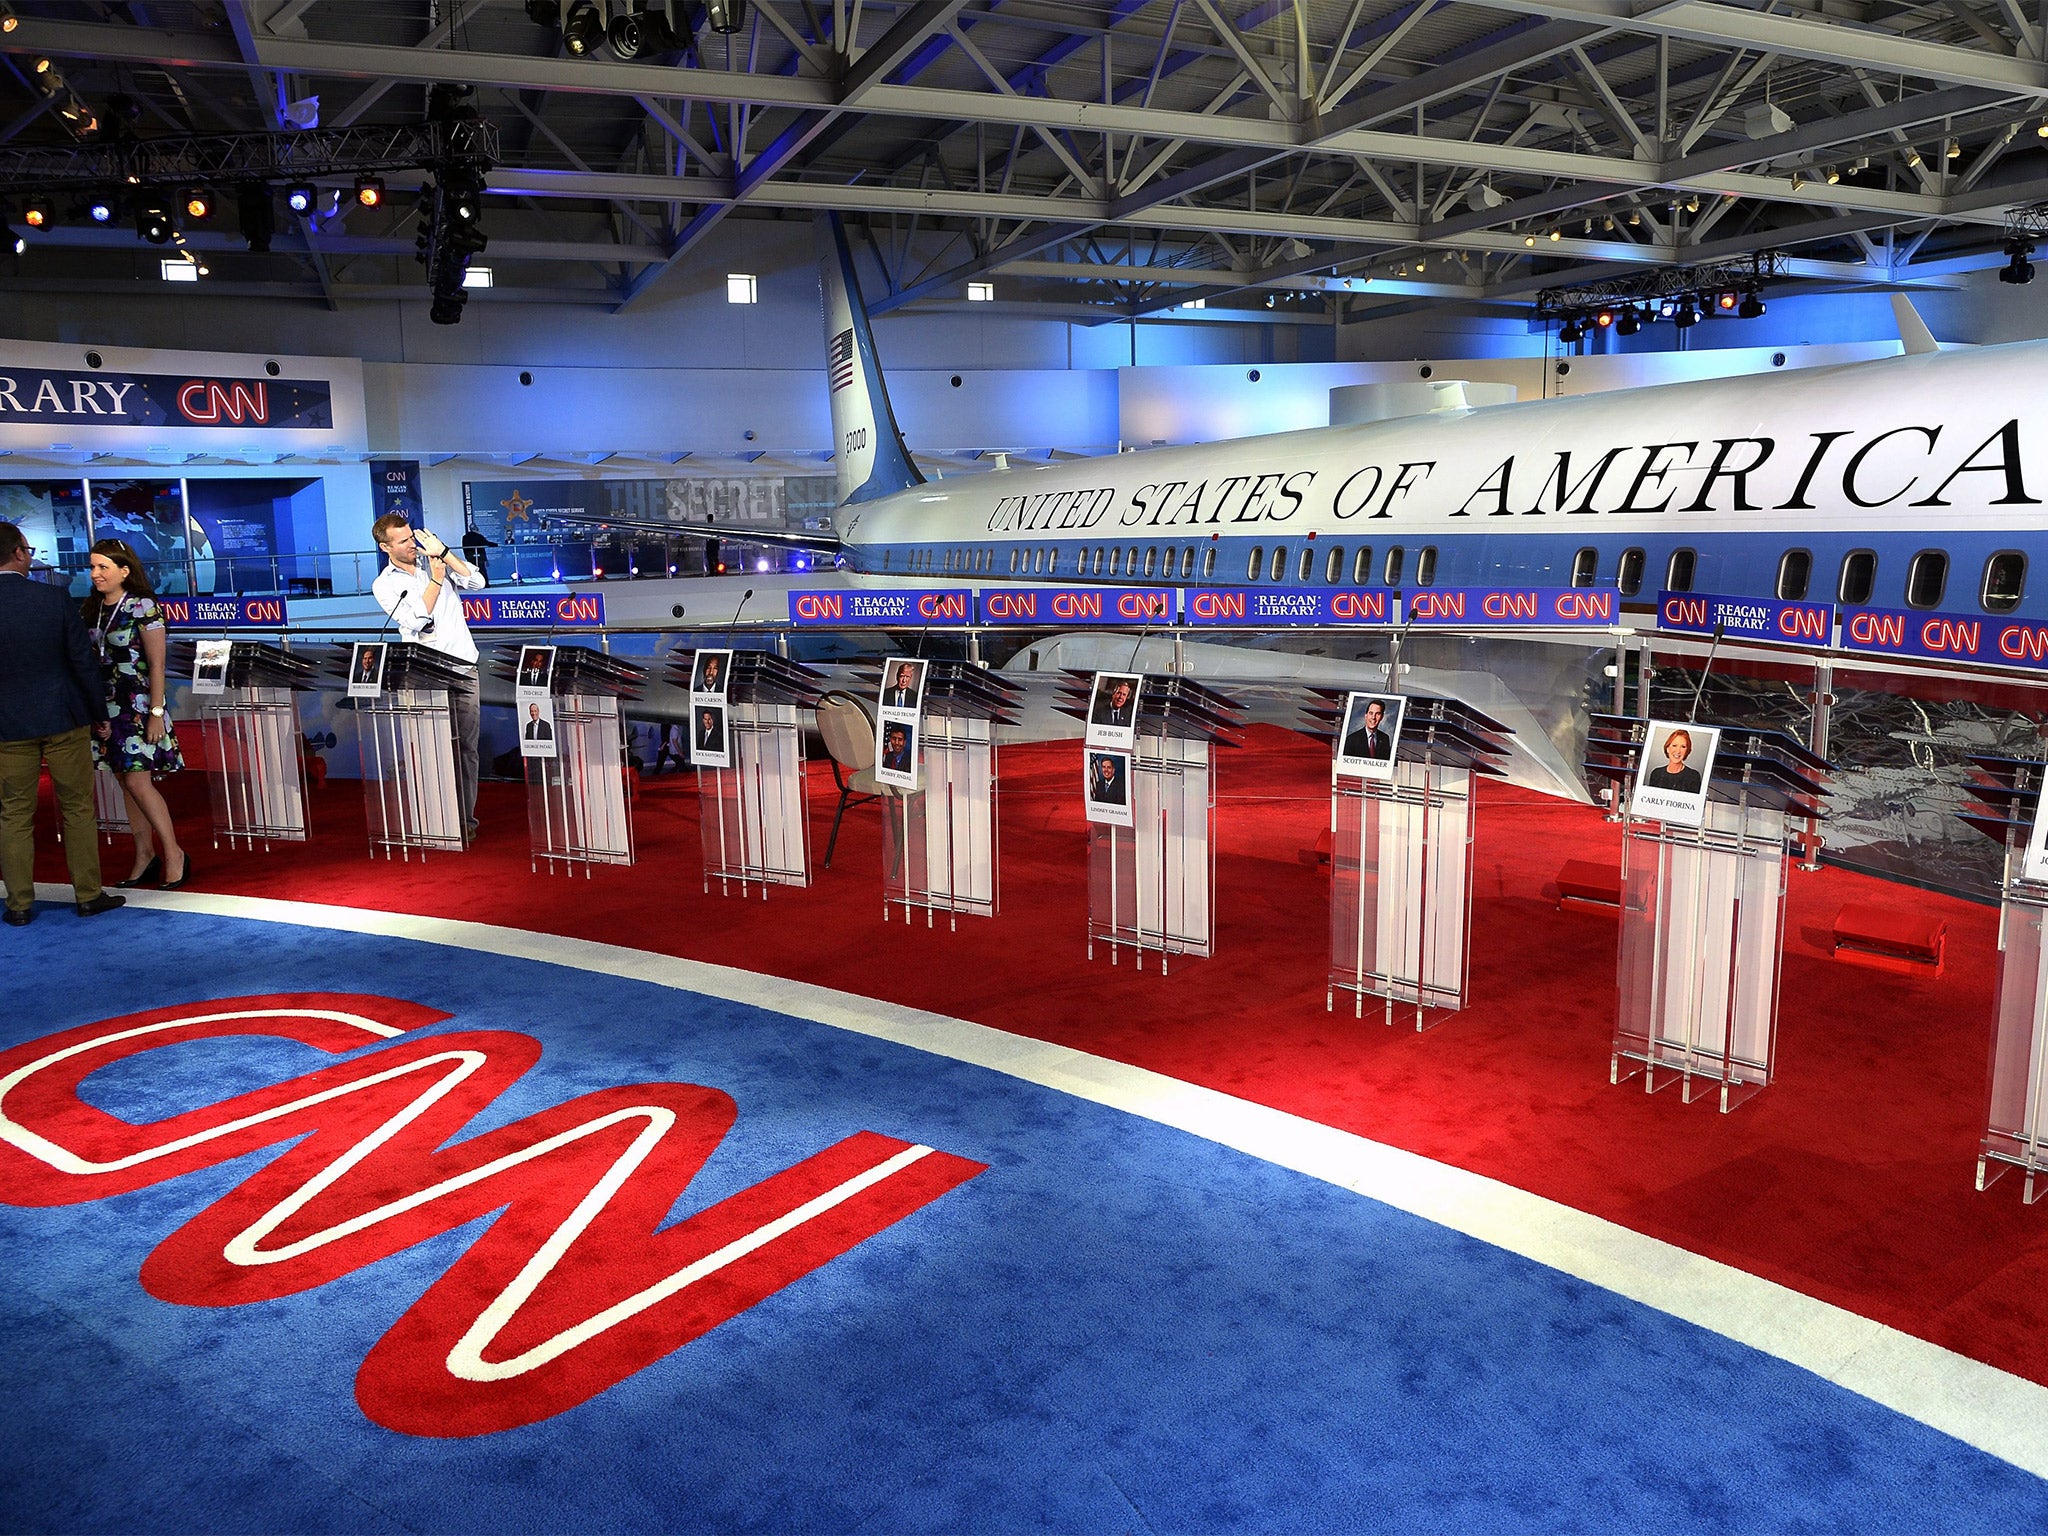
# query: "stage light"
{"points": [[1666, 308], [300, 197], [477, 277], [1955, 149], [1627, 323], [370, 191], [582, 28], [8, 20], [1752, 306], [1604, 319], [1557, 234], [1726, 302], [253, 211], [2017, 268], [1687, 314], [1569, 333], [635, 34], [42, 66], [2041, 129], [761, 565], [725, 17], [544, 13], [35, 213], [153, 223], [198, 204], [1528, 240], [100, 210]]}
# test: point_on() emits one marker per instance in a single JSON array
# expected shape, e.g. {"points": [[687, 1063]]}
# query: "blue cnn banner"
{"points": [[1248, 608], [60, 397], [1545, 607], [1947, 637], [1747, 618], [900, 607], [545, 610], [224, 612], [1097, 606]]}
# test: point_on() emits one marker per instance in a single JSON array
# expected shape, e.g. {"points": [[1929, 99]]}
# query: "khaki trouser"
{"points": [[70, 758]]}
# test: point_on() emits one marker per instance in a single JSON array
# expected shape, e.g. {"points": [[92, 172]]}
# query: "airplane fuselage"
{"points": [[1919, 481]]}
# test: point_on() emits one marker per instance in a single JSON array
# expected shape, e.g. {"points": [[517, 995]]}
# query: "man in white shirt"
{"points": [[419, 590]]}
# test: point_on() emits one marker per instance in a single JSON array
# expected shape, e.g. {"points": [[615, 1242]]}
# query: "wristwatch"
{"points": [[156, 709]]}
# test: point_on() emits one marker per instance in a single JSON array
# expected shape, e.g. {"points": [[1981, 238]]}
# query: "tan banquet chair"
{"points": [[849, 734]]}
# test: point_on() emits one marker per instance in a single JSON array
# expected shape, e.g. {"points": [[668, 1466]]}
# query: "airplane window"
{"points": [[1333, 567], [1187, 562], [1585, 565], [1037, 561], [2005, 578], [1308, 565], [1859, 576], [1629, 574], [1208, 562], [887, 554], [1258, 562], [1279, 568], [1926, 579], [1678, 574], [1151, 559], [1116, 562], [1795, 574], [1361, 567], [1425, 566], [1393, 571], [1131, 560], [1014, 553]]}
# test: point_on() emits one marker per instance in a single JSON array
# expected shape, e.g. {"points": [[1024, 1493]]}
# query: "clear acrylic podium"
{"points": [[939, 841], [1401, 861], [579, 809], [755, 815], [1703, 913], [1152, 885], [405, 737], [2016, 1111], [255, 750]]}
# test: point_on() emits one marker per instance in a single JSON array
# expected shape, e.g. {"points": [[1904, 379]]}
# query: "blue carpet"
{"points": [[1115, 1327]]}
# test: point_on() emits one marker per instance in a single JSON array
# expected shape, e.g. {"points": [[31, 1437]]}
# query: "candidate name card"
{"points": [[1106, 786], [366, 669], [1113, 711], [1671, 781], [2034, 861], [710, 725], [1369, 736], [898, 720], [210, 665], [537, 726], [534, 683]]}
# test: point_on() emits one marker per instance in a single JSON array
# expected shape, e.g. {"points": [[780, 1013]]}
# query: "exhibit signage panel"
{"points": [[1095, 606], [1947, 637], [854, 607], [1249, 608], [57, 396], [549, 610], [224, 612], [1544, 607], [1747, 618]]}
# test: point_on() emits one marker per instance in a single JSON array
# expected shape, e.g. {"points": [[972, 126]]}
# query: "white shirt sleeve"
{"points": [[396, 597], [466, 580]]}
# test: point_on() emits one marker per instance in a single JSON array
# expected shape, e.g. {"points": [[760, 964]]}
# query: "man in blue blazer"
{"points": [[52, 693]]}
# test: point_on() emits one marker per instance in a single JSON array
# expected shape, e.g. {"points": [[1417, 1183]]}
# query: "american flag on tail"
{"points": [[842, 360]]}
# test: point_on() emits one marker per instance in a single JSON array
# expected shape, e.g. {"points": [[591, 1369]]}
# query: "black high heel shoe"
{"points": [[184, 875], [152, 872]]}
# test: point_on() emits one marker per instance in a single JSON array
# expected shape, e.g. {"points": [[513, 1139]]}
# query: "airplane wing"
{"points": [[787, 538]]}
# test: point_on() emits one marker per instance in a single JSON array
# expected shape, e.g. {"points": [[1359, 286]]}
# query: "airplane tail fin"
{"points": [[867, 446], [1913, 332]]}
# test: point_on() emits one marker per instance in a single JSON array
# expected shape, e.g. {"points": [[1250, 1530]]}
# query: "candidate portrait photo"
{"points": [[710, 672], [903, 684], [1369, 736], [1676, 768], [1106, 787], [535, 662]]}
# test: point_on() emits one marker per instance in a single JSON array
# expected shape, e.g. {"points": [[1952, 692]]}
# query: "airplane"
{"points": [[1909, 482]]}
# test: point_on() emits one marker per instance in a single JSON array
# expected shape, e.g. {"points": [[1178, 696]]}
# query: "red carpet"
{"points": [[1850, 1178]]}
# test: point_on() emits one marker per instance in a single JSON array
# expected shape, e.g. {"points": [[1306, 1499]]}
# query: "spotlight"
{"points": [[1752, 306], [725, 17], [1528, 240], [582, 27], [35, 213], [2041, 130], [42, 66], [1570, 333], [2017, 268], [1955, 149], [544, 13], [1627, 323], [370, 191], [153, 223], [8, 20], [1604, 319], [198, 204], [1557, 234], [1834, 175], [1666, 308], [254, 213], [635, 34], [300, 197], [1687, 314], [100, 210], [1726, 302]]}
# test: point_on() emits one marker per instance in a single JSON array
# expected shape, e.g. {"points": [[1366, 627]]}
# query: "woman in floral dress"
{"points": [[136, 742]]}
